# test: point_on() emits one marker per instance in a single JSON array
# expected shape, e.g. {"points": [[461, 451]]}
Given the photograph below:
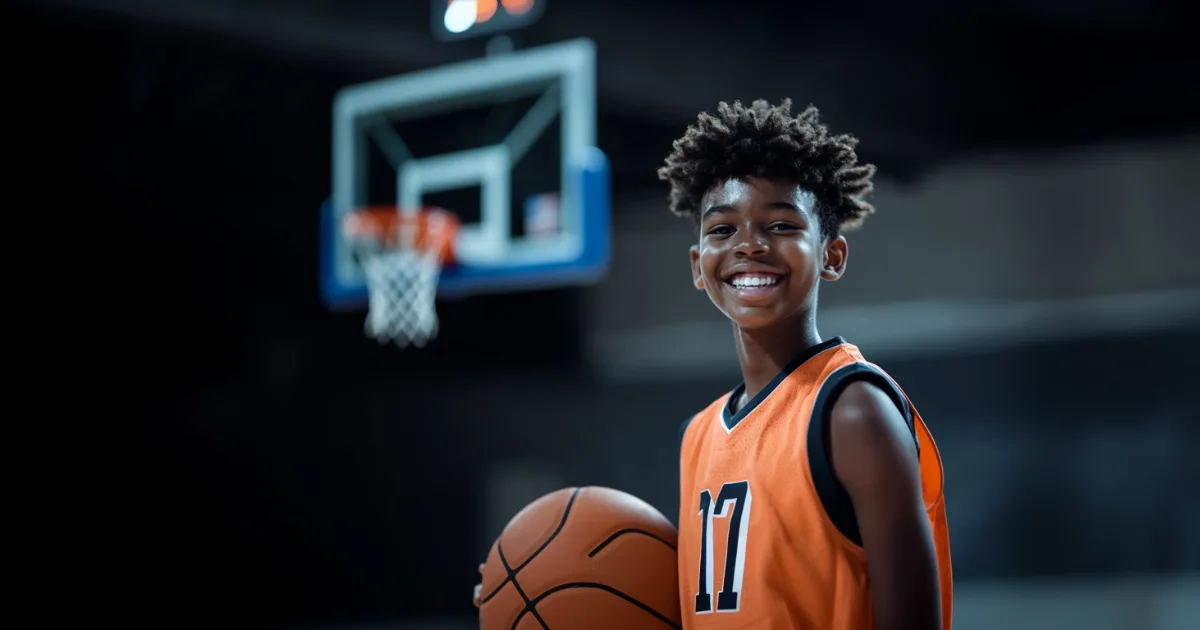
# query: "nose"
{"points": [[751, 246]]}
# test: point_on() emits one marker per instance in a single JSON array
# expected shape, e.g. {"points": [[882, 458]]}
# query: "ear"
{"points": [[835, 258], [697, 277]]}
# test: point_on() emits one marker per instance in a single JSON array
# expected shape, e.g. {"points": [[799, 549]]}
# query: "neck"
{"points": [[763, 353]]}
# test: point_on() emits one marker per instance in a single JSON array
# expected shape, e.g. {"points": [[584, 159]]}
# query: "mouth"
{"points": [[754, 285]]}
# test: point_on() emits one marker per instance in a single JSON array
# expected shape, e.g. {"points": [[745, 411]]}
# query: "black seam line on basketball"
{"points": [[512, 577], [603, 587], [631, 530], [561, 523]]}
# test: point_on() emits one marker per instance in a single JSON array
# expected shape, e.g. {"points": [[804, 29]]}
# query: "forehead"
{"points": [[750, 192]]}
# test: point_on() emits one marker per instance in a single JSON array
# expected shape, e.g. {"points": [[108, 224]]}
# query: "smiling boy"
{"points": [[811, 494]]}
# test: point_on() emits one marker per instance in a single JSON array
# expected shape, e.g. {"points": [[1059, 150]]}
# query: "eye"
{"points": [[720, 230], [784, 227]]}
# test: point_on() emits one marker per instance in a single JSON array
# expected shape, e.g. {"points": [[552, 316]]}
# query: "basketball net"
{"points": [[401, 256]]}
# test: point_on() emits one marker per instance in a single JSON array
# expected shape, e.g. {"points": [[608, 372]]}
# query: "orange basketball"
{"points": [[582, 559]]}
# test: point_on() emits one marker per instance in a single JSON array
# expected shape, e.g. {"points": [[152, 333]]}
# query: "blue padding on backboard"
{"points": [[334, 292], [459, 281]]}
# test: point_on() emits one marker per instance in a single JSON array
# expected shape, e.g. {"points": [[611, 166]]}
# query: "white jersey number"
{"points": [[733, 502]]}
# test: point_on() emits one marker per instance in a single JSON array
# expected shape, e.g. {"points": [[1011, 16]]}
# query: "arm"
{"points": [[874, 456]]}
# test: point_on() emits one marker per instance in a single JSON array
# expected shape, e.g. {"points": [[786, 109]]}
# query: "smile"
{"points": [[754, 280]]}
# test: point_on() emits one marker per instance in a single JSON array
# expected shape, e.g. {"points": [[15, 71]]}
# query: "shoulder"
{"points": [[872, 446], [866, 405], [858, 413], [684, 427], [864, 397], [865, 420]]}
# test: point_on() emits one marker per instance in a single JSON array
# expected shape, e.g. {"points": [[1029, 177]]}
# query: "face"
{"points": [[761, 252]]}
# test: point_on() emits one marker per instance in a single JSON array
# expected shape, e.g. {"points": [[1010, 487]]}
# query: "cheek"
{"points": [[709, 260], [805, 259]]}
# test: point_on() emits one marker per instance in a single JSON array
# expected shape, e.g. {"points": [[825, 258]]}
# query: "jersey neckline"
{"points": [[729, 419]]}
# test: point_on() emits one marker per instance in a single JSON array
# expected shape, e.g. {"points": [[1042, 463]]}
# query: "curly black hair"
{"points": [[767, 141]]}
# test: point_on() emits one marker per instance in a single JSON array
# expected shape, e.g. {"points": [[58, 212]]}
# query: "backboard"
{"points": [[515, 235]]}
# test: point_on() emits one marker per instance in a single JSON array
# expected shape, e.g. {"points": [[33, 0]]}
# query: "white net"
{"points": [[402, 286]]}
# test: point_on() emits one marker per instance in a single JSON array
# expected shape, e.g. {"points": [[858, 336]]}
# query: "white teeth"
{"points": [[745, 282]]}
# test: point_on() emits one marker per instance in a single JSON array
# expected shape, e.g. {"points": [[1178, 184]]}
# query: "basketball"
{"points": [[586, 558]]}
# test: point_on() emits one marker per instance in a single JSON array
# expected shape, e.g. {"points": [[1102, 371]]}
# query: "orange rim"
{"points": [[435, 228]]}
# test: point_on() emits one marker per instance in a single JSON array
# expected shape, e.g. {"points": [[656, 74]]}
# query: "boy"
{"points": [[811, 495]]}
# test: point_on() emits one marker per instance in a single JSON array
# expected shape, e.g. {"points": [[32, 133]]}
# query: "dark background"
{"points": [[294, 471]]}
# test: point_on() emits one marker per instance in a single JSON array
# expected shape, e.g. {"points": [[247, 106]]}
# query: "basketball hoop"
{"points": [[402, 253]]}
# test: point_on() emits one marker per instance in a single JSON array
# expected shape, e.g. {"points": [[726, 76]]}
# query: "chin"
{"points": [[761, 317], [755, 320]]}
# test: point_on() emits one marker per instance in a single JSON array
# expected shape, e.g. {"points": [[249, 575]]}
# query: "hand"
{"points": [[478, 587]]}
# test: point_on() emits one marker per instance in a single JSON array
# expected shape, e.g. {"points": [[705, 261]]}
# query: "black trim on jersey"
{"points": [[832, 493], [731, 419], [684, 427]]}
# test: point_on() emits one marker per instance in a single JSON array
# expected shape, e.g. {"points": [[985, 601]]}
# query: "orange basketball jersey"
{"points": [[767, 535]]}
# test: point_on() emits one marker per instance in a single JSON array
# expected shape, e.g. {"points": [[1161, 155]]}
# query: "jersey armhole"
{"points": [[683, 430], [833, 495]]}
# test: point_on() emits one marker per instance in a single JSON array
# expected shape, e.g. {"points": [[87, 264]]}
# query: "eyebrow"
{"points": [[773, 205]]}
